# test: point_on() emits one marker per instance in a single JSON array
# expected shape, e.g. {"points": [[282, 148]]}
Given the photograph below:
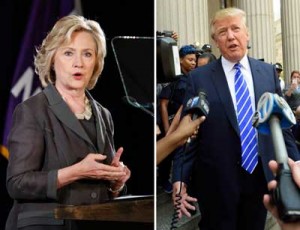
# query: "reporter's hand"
{"points": [[183, 203], [175, 36], [188, 127], [267, 200]]}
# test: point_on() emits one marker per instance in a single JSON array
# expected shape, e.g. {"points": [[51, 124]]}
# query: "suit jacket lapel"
{"points": [[258, 80], [221, 85], [63, 113], [103, 142], [220, 82], [100, 126]]}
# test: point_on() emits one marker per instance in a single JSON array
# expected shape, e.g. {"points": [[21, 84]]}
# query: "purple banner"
{"points": [[25, 83]]}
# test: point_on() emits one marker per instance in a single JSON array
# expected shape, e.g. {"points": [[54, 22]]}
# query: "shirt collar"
{"points": [[228, 65]]}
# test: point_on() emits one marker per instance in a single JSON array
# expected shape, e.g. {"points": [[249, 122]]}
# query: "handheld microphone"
{"points": [[198, 106], [274, 114]]}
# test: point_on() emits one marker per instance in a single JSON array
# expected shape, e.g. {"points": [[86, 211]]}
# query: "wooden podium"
{"points": [[139, 209]]}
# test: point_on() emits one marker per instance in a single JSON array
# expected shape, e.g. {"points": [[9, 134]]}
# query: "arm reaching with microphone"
{"points": [[186, 128], [272, 116], [295, 170]]}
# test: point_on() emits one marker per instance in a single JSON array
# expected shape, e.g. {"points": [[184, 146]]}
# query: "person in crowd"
{"points": [[177, 135], [225, 167], [61, 142], [205, 58], [207, 48], [292, 93], [279, 70], [170, 100], [292, 96], [171, 96], [267, 199]]}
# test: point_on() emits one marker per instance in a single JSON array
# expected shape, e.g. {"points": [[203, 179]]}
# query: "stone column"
{"points": [[290, 26], [189, 18], [260, 22]]}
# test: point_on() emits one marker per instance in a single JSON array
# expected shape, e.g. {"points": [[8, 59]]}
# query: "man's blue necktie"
{"points": [[244, 115]]}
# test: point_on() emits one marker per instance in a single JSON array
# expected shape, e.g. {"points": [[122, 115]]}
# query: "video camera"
{"points": [[165, 33], [168, 62]]}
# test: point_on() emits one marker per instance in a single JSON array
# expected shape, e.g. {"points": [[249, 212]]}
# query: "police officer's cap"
{"points": [[278, 66]]}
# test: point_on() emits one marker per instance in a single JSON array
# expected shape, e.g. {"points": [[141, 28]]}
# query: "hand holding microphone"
{"points": [[184, 128], [197, 106], [272, 115], [295, 170]]}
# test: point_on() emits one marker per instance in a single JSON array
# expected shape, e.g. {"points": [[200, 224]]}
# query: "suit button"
{"points": [[94, 195], [238, 163]]}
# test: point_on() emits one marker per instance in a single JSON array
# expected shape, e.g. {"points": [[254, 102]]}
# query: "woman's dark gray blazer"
{"points": [[46, 136]]}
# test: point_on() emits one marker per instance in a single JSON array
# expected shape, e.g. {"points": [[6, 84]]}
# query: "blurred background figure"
{"points": [[292, 96], [279, 70], [204, 54], [207, 48], [205, 58]]}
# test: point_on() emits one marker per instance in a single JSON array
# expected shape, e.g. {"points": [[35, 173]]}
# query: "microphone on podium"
{"points": [[274, 114], [133, 102]]}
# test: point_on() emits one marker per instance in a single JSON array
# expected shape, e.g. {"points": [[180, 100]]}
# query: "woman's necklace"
{"points": [[87, 113]]}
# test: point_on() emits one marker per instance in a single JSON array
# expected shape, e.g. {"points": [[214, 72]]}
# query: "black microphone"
{"points": [[198, 106]]}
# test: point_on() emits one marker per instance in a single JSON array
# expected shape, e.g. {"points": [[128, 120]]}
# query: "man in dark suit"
{"points": [[229, 196]]}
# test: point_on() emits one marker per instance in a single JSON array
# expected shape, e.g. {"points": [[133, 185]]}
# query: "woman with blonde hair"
{"points": [[61, 142]]}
